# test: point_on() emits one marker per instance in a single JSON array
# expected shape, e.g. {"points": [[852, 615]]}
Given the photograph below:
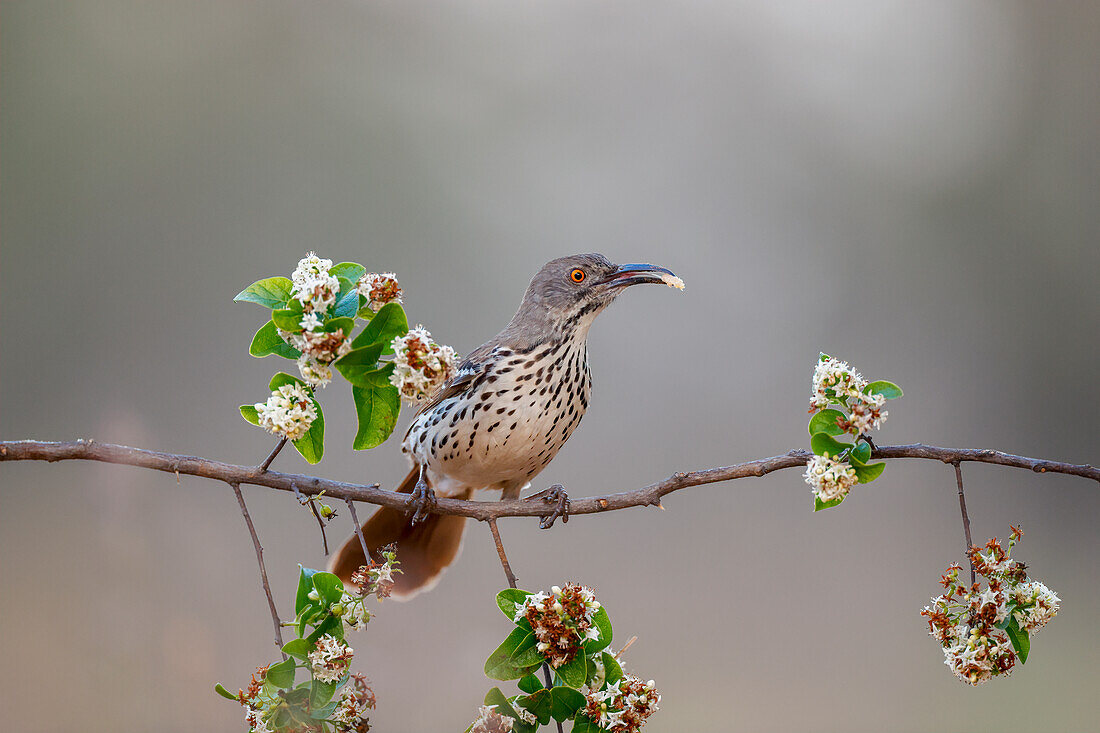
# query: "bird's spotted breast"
{"points": [[512, 419]]}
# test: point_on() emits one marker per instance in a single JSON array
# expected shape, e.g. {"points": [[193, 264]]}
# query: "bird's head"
{"points": [[566, 294]]}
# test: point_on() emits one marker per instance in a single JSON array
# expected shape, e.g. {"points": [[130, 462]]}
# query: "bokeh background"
{"points": [[911, 186]]}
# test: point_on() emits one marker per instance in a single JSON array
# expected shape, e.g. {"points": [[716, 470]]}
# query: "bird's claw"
{"points": [[421, 501], [554, 495]]}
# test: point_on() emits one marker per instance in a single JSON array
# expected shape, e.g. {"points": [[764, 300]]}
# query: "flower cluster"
{"points": [[377, 578], [255, 720], [356, 698], [978, 629], [421, 366], [624, 705], [562, 621], [314, 286], [837, 383], [829, 479], [289, 411], [319, 349], [331, 658], [490, 721], [379, 288]]}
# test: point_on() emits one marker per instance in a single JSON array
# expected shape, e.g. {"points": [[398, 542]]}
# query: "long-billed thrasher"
{"points": [[506, 413]]}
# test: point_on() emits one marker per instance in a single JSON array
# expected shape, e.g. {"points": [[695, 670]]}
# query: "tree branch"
{"points": [[29, 450]]}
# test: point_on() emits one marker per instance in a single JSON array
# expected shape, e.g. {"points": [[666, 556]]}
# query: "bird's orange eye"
{"points": [[577, 275]]}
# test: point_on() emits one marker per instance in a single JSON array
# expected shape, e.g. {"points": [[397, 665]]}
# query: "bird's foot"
{"points": [[556, 496], [421, 501]]}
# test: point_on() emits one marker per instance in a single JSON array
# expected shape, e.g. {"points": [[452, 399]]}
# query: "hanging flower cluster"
{"points": [[289, 411], [331, 659], [356, 698], [421, 366], [377, 578], [623, 706], [561, 620], [984, 631], [379, 288], [829, 479]]}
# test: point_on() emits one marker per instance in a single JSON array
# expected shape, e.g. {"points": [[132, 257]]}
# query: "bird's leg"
{"points": [[554, 495], [422, 499]]}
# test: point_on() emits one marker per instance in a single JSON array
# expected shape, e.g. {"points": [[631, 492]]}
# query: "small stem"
{"points": [[500, 551], [263, 570], [966, 518], [358, 530], [304, 501], [271, 456], [512, 584]]}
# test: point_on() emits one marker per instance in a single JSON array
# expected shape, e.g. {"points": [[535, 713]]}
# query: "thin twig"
{"points": [[308, 501], [263, 570], [358, 530], [485, 510], [626, 646], [512, 584], [500, 551], [966, 518], [271, 456]]}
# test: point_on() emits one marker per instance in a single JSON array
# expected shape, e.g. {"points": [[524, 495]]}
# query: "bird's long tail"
{"points": [[424, 551]]}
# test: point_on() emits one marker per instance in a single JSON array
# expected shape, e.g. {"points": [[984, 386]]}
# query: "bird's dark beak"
{"points": [[641, 273]]}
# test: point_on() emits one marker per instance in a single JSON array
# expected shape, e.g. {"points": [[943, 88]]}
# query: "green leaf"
{"points": [[347, 300], [267, 341], [281, 675], [538, 704], [360, 366], [348, 324], [1021, 642], [889, 390], [584, 725], [824, 444], [576, 672], [389, 323], [297, 648], [870, 472], [281, 379], [348, 270], [565, 703], [249, 413], [271, 292], [613, 672], [499, 700], [328, 586], [860, 454], [819, 504], [527, 654], [377, 405], [603, 623], [321, 692], [312, 444], [218, 688], [499, 665], [825, 422], [331, 625], [507, 600], [287, 320], [305, 585], [530, 683]]}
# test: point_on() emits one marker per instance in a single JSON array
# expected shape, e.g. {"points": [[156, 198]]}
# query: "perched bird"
{"points": [[506, 413]]}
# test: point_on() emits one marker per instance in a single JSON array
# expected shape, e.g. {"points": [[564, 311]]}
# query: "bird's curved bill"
{"points": [[634, 274]]}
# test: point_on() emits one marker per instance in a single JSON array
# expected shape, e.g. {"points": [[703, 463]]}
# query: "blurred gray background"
{"points": [[911, 186]]}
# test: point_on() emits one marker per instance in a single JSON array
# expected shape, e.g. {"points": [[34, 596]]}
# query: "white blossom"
{"points": [[490, 721], [834, 381], [379, 288], [1036, 605], [330, 660], [289, 411], [421, 366], [829, 479], [314, 287]]}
